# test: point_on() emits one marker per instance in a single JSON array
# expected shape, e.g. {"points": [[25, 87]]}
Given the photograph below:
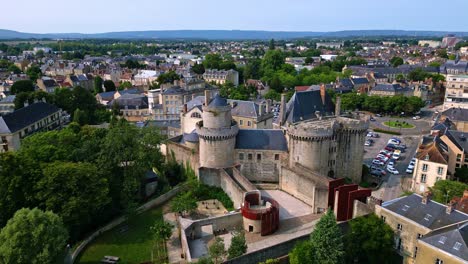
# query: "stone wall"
{"points": [[239, 177], [228, 222], [264, 170], [276, 251], [306, 186], [232, 189], [182, 153]]}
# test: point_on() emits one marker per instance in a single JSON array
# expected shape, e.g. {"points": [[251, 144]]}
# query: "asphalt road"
{"points": [[391, 187]]}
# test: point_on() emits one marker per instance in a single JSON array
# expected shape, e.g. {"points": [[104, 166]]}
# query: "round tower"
{"points": [[311, 145], [217, 134], [350, 139]]}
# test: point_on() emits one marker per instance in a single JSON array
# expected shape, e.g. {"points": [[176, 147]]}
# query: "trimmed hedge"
{"points": [[387, 131]]}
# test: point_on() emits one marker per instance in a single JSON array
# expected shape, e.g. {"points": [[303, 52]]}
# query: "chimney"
{"points": [[26, 103], [44, 100], [207, 97], [322, 92], [450, 207], [282, 114], [465, 194], [260, 109], [425, 197], [185, 99], [185, 108], [338, 106], [176, 82], [268, 105]]}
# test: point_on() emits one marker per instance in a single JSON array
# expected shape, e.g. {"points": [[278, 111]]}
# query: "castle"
{"points": [[308, 154]]}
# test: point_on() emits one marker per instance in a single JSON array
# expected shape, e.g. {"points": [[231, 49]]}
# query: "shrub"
{"points": [[206, 192], [387, 131]]}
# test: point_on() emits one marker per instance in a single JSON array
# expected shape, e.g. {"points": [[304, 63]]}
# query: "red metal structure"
{"points": [[255, 208]]}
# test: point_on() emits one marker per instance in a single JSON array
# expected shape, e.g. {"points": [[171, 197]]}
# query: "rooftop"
{"points": [[264, 139], [26, 116], [431, 215]]}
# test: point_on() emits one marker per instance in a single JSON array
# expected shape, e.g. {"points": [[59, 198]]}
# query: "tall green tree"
{"points": [[216, 250], [34, 73], [272, 61], [33, 237], [369, 240], [271, 45], [443, 191], [98, 82], [75, 191], [22, 86], [212, 61], [396, 61], [462, 174], [14, 69], [109, 85], [327, 240], [238, 245]]}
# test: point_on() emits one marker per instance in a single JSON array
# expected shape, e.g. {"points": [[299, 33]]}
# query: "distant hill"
{"points": [[225, 34]]}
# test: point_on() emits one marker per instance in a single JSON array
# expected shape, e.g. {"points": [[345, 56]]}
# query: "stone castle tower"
{"points": [[217, 133], [331, 146]]}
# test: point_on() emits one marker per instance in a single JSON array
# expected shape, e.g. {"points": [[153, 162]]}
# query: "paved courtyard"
{"points": [[290, 207]]}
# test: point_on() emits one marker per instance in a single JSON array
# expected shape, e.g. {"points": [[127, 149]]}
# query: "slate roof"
{"points": [[303, 106], [244, 108], [192, 137], [359, 81], [131, 101], [386, 87], [431, 215], [346, 82], [174, 90], [26, 116], [218, 101], [261, 139], [456, 114], [459, 139], [454, 241]]}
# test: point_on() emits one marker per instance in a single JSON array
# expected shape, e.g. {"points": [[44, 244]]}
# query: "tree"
{"points": [[252, 69], [125, 85], [273, 95], [271, 46], [162, 231], [442, 53], [462, 174], [14, 69], [326, 239], [168, 77], [98, 85], [396, 61], [217, 251], [369, 240], [34, 72], [238, 246], [184, 203], [198, 68], [109, 85], [270, 261], [443, 191], [22, 86], [272, 61], [75, 191], [80, 117], [308, 60], [32, 236], [212, 61], [303, 252]]}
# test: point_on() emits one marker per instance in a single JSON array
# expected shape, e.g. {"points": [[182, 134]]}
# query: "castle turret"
{"points": [[311, 143], [217, 133], [350, 139]]}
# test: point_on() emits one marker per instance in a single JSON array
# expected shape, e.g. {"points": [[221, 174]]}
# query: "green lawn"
{"points": [[132, 246], [398, 124]]}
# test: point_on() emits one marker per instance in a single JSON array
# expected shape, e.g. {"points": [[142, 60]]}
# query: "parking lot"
{"points": [[391, 187]]}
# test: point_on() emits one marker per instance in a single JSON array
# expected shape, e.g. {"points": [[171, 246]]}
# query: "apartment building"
{"points": [[415, 218], [456, 94], [457, 149], [431, 166], [26, 121], [221, 76]]}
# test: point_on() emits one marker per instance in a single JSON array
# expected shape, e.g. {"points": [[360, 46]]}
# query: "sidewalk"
{"points": [[174, 248]]}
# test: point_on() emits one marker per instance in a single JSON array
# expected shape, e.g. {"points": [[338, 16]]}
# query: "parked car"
{"points": [[378, 162], [396, 154], [378, 115], [416, 117], [408, 170], [392, 170], [393, 142], [367, 143], [372, 119]]}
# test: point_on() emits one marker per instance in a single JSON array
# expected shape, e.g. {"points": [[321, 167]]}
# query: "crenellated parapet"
{"points": [[353, 126], [217, 134], [313, 131]]}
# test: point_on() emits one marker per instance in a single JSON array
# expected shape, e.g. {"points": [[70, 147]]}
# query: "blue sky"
{"points": [[91, 16]]}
